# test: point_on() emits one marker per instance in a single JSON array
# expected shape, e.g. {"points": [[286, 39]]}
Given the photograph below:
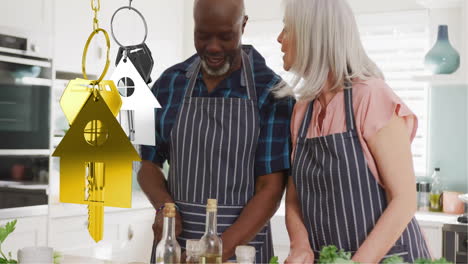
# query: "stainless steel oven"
{"points": [[25, 106], [25, 92], [455, 242]]}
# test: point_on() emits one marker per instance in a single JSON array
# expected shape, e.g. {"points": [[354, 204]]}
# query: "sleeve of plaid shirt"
{"points": [[273, 150]]}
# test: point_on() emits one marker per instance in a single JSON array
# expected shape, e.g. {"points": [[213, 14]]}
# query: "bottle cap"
{"points": [[169, 210], [245, 252], [212, 205], [193, 246]]}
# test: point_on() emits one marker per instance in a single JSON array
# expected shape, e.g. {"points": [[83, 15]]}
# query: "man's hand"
{"points": [[158, 226]]}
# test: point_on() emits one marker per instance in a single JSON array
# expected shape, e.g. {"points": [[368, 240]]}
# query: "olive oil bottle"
{"points": [[435, 204], [211, 244], [168, 249]]}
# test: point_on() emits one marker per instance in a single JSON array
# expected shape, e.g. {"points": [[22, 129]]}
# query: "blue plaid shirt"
{"points": [[273, 148]]}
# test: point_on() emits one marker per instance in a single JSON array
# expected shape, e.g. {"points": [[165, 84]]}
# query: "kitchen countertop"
{"points": [[437, 219], [27, 211], [139, 201], [67, 259]]}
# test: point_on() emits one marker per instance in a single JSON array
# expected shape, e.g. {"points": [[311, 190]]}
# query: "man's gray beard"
{"points": [[223, 70]]}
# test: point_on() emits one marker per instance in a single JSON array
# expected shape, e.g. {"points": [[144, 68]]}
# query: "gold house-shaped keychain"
{"points": [[137, 114], [95, 154]]}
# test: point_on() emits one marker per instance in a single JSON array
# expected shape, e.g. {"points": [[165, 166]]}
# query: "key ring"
{"points": [[85, 52], [136, 11]]}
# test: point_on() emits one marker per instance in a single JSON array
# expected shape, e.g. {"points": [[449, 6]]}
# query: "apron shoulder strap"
{"points": [[350, 121], [247, 75], [192, 73], [306, 121]]}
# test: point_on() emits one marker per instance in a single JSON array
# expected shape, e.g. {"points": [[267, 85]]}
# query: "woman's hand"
{"points": [[302, 254], [300, 251]]}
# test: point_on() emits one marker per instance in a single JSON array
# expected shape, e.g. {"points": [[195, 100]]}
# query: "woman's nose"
{"points": [[280, 38]]}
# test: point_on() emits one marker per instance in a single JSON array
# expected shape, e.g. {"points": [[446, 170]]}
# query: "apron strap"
{"points": [[307, 119], [246, 73], [350, 121], [194, 69]]}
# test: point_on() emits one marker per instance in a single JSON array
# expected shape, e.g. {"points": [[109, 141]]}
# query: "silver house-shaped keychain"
{"points": [[137, 116]]}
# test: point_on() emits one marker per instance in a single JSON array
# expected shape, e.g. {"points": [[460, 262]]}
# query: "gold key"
{"points": [[95, 154], [95, 188], [96, 163]]}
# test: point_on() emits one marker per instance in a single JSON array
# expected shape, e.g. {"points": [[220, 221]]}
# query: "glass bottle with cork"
{"points": [[435, 204], [210, 243], [168, 249]]}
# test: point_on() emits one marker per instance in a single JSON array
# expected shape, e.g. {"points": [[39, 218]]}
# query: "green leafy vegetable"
{"points": [[57, 257], [437, 261], [331, 255], [4, 232], [274, 260], [393, 260]]}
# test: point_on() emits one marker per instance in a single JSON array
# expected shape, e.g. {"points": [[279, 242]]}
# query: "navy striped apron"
{"points": [[212, 153], [340, 199]]}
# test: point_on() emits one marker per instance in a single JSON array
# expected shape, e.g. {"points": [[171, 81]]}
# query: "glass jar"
{"points": [[193, 251], [245, 254], [424, 196]]}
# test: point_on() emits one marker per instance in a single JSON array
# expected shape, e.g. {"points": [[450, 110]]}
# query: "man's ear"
{"points": [[244, 23]]}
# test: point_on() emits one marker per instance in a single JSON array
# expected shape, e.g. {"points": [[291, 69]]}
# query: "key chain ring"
{"points": [[136, 11], [85, 52]]}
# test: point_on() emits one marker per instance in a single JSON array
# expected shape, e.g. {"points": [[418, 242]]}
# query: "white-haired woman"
{"points": [[352, 184]]}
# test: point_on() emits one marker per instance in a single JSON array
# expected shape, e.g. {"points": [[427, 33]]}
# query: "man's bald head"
{"points": [[219, 25], [234, 9]]}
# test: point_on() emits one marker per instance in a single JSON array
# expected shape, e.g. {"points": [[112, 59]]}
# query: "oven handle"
{"points": [[24, 61]]}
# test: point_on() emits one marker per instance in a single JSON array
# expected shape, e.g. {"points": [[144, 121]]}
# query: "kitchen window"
{"points": [[396, 41]]}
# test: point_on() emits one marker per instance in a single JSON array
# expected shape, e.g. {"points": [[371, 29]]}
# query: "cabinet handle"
{"points": [[130, 233]]}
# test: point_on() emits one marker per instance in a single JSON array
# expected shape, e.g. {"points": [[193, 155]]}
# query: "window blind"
{"points": [[396, 42]]}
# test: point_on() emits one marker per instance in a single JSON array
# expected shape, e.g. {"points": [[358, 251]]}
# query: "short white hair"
{"points": [[327, 41]]}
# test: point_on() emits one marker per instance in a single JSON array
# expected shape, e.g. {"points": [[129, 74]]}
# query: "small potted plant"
{"points": [[4, 232]]}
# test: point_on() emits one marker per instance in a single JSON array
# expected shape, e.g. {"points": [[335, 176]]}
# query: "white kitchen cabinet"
{"points": [[280, 233], [22, 14], [280, 236], [31, 20], [135, 235], [30, 231], [69, 235], [127, 237], [433, 233], [431, 225]]}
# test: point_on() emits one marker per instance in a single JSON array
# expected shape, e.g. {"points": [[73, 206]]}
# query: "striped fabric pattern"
{"points": [[273, 148], [340, 199], [213, 145]]}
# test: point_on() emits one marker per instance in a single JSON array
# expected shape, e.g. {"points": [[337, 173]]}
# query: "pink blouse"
{"points": [[374, 103]]}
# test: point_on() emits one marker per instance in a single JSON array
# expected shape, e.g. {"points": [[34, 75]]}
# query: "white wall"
{"points": [[25, 18], [373, 6], [257, 10]]}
